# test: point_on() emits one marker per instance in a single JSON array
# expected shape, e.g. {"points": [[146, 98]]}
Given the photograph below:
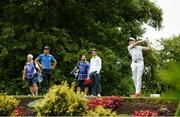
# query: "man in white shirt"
{"points": [[137, 64], [94, 73]]}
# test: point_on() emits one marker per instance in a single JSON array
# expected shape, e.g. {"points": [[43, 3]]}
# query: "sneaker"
{"points": [[29, 95], [91, 95], [132, 95], [99, 95], [136, 95]]}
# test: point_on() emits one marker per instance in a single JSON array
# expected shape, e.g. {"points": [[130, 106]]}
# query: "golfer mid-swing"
{"points": [[137, 64]]}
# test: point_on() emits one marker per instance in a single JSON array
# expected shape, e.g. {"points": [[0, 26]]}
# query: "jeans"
{"points": [[96, 86]]}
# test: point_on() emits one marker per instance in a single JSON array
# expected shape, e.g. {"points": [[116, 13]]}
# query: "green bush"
{"points": [[7, 104], [61, 100], [170, 76], [178, 110], [100, 111]]}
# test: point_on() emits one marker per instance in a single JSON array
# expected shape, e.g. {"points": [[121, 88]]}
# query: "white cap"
{"points": [[131, 38]]}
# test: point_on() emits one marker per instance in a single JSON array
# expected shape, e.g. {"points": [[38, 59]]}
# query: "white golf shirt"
{"points": [[95, 64], [136, 52]]}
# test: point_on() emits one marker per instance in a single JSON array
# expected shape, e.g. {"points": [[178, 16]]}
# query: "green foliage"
{"points": [[114, 79], [169, 56], [171, 75], [151, 82], [61, 100], [100, 111], [33, 104], [170, 52], [7, 104], [165, 57], [71, 28], [178, 110]]}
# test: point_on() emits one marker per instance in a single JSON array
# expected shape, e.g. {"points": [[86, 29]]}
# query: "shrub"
{"points": [[61, 100], [112, 102], [100, 111], [178, 110], [7, 104]]}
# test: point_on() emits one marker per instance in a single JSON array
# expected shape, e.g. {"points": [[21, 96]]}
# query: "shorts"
{"points": [[32, 81], [80, 83]]}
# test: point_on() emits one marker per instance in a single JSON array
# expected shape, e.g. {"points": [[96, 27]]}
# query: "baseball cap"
{"points": [[46, 48]]}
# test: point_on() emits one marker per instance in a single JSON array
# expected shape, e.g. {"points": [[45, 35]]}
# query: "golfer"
{"points": [[137, 64]]}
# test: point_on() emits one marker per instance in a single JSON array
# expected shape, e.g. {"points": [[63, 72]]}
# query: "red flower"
{"points": [[19, 111], [145, 113], [112, 102]]}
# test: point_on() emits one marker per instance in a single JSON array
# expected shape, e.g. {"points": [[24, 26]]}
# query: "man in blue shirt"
{"points": [[47, 63]]}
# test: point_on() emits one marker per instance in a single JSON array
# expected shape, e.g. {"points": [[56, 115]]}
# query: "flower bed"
{"points": [[112, 102], [136, 106], [122, 106], [163, 107]]}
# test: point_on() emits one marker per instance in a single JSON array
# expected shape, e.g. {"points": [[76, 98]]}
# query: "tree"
{"points": [[170, 51], [165, 57], [70, 28]]}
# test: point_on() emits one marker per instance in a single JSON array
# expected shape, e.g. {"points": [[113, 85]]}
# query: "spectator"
{"points": [[47, 63], [30, 73]]}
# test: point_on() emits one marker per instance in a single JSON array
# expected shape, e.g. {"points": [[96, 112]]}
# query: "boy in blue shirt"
{"points": [[47, 63]]}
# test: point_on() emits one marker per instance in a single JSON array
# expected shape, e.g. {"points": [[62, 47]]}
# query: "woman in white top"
{"points": [[30, 73]]}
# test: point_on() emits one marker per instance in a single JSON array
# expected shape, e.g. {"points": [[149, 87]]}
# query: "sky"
{"points": [[171, 21]]}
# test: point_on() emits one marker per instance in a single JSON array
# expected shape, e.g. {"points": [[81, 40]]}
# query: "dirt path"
{"points": [[23, 105]]}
